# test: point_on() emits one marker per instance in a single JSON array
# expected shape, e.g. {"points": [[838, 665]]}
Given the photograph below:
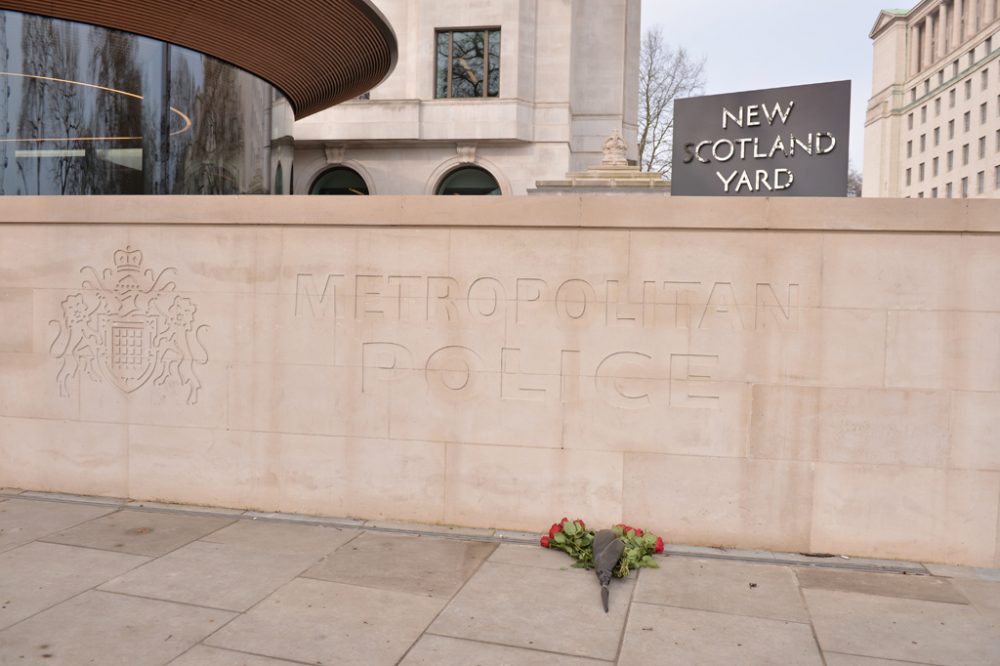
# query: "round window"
{"points": [[339, 180], [469, 180]]}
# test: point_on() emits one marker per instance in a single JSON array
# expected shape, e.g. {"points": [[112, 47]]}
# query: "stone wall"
{"points": [[799, 375]]}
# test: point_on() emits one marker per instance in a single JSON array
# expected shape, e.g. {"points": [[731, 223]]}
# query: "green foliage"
{"points": [[577, 541]]}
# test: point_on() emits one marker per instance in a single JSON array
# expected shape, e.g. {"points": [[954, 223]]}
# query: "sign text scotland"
{"points": [[779, 142]]}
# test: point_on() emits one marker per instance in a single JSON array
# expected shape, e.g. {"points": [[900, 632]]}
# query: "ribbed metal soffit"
{"points": [[317, 52]]}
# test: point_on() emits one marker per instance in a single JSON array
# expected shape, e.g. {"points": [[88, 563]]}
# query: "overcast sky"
{"points": [[774, 43]]}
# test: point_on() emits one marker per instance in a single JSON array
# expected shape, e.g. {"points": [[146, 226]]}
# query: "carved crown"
{"points": [[128, 259]]}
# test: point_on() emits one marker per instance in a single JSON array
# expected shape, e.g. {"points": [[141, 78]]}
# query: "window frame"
{"points": [[486, 30]]}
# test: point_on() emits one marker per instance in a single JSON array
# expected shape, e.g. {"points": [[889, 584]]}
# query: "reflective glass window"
{"points": [[467, 63], [87, 110], [339, 180], [468, 180]]}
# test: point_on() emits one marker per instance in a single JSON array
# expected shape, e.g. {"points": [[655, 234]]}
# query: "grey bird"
{"points": [[607, 549]]}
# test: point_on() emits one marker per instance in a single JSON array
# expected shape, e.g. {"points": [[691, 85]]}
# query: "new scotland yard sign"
{"points": [[777, 142]]}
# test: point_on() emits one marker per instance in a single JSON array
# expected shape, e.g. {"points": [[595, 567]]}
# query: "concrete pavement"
{"points": [[105, 581]]}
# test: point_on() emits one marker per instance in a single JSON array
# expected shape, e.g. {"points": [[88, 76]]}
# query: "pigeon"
{"points": [[607, 550]]}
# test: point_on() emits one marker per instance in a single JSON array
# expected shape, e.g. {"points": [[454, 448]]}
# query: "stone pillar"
{"points": [[956, 23], [940, 24], [929, 29], [914, 49], [990, 12]]}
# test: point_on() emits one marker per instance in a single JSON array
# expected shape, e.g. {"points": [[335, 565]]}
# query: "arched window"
{"points": [[279, 180], [339, 180], [468, 180]]}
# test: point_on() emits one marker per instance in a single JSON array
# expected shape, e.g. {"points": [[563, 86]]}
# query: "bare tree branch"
{"points": [[665, 74]]}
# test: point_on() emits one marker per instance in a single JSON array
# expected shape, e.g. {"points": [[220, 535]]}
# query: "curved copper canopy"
{"points": [[316, 52]]}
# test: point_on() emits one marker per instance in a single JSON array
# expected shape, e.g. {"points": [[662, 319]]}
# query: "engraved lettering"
{"points": [[722, 310], [512, 380], [485, 296], [383, 361], [363, 307], [307, 298], [529, 290], [441, 293], [572, 297], [689, 374], [784, 317], [619, 371]]}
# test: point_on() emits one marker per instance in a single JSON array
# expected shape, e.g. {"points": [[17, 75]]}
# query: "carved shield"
{"points": [[127, 353]]}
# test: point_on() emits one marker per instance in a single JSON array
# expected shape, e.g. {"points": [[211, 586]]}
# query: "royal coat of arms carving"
{"points": [[128, 327]]}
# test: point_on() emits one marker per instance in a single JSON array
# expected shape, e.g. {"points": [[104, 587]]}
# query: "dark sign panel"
{"points": [[778, 142]]}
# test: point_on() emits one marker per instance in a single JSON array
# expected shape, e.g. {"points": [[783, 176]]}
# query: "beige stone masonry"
{"points": [[804, 375]]}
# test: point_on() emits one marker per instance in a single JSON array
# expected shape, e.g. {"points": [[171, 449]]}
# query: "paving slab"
{"points": [[319, 622], [10, 491], [414, 564], [443, 651], [902, 629], [985, 596], [427, 528], [201, 655], [838, 659], [304, 518], [36, 576], [69, 497], [531, 556], [977, 573], [670, 635], [184, 508], [553, 610], [23, 520], [741, 588], [925, 588], [314, 540], [140, 532], [108, 629], [216, 575]]}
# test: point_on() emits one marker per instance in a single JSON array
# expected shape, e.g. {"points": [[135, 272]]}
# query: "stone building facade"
{"points": [[565, 78], [933, 122]]}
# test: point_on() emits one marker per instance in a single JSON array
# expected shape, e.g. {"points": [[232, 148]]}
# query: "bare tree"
{"points": [[854, 181], [665, 74]]}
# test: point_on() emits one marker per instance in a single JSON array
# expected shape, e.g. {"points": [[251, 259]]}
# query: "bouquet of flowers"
{"points": [[576, 540]]}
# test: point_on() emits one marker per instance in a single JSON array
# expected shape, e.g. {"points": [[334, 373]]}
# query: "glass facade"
{"points": [[87, 110]]}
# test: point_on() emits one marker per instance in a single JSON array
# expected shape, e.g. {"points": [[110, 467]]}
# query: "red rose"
{"points": [[544, 542], [564, 520], [582, 524], [659, 545], [556, 527], [638, 532]]}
